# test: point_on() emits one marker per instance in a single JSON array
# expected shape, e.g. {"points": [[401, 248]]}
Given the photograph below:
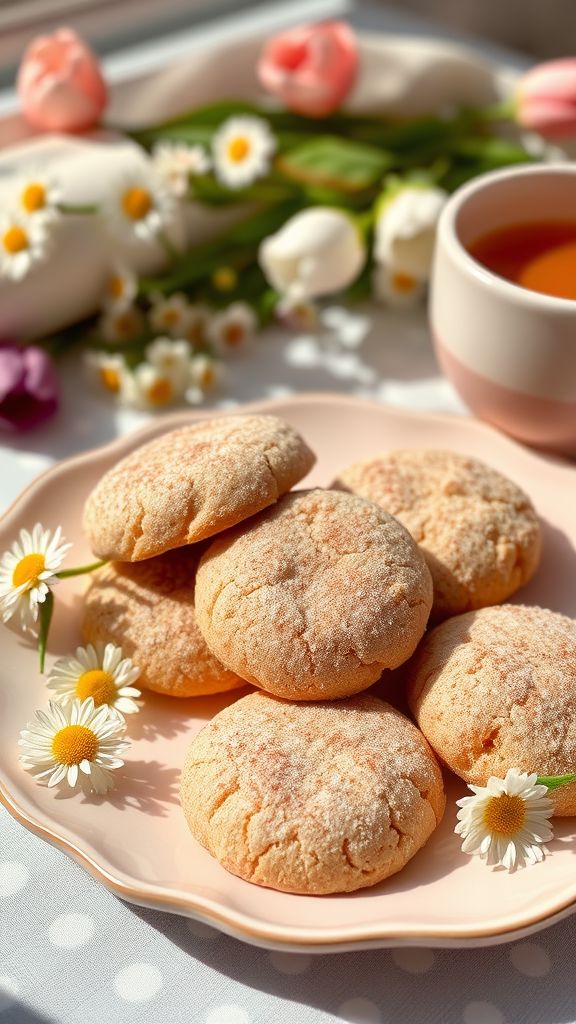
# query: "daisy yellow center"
{"points": [[160, 392], [171, 317], [110, 379], [34, 197], [207, 378], [116, 286], [15, 239], [73, 744], [233, 334], [225, 279], [403, 283], [136, 203], [98, 684], [238, 149], [28, 570], [505, 814]]}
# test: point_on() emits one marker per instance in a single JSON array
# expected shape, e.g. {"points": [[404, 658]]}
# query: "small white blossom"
{"points": [[27, 572], [242, 150], [405, 230], [507, 821], [24, 242], [75, 743], [232, 329], [98, 671], [175, 163]]}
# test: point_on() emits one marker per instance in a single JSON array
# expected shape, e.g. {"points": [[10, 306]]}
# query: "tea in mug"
{"points": [[539, 255]]}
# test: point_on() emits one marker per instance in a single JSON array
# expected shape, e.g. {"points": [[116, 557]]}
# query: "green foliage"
{"points": [[335, 163]]}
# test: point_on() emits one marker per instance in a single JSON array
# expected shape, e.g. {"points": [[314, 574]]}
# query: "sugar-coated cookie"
{"points": [[315, 597], [496, 689], [311, 798], [479, 532], [191, 483], [147, 609]]}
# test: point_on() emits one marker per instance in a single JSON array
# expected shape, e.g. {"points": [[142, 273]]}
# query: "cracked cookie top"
{"points": [[478, 531], [315, 597], [311, 798], [191, 483], [496, 689], [147, 609]]}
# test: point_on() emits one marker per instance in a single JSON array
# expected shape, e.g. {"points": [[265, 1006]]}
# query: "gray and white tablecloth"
{"points": [[71, 952]]}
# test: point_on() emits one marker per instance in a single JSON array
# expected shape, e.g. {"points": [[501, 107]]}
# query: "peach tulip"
{"points": [[311, 69], [60, 83], [546, 99]]}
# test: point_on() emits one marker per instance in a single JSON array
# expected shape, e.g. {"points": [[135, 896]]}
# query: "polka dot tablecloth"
{"points": [[72, 953]]}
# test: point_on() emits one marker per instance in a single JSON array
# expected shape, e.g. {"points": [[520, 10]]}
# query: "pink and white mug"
{"points": [[510, 352]]}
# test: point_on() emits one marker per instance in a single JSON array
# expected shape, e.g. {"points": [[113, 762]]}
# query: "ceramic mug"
{"points": [[510, 352]]}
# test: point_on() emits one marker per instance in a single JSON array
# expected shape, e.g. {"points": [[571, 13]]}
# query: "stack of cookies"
{"points": [[221, 576]]}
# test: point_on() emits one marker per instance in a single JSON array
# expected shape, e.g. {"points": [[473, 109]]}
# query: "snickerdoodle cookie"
{"points": [[311, 798], [315, 597], [478, 531], [191, 483], [147, 609], [496, 689]]}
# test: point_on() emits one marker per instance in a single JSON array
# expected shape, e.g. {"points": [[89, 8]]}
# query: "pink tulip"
{"points": [[60, 83], [311, 69], [546, 99]]}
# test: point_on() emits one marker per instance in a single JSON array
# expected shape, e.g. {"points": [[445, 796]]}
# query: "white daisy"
{"points": [[140, 207], [153, 388], [507, 821], [121, 324], [204, 373], [38, 195], [27, 572], [175, 163], [110, 370], [231, 329], [195, 327], [171, 356], [24, 241], [75, 743], [120, 288], [99, 672], [397, 289], [170, 314], [242, 149]]}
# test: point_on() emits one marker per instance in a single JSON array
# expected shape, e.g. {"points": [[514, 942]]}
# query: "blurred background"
{"points": [[532, 27]]}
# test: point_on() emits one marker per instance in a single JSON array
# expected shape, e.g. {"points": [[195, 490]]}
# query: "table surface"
{"points": [[72, 953]]}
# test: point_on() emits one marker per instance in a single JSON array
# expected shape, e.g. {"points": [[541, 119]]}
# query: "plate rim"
{"points": [[237, 924]]}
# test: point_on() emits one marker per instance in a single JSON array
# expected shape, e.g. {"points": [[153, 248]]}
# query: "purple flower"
{"points": [[28, 387]]}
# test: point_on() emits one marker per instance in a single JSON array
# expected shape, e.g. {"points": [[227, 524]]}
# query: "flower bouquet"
{"points": [[309, 197]]}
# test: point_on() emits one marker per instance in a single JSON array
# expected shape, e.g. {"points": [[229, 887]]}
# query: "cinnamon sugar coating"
{"points": [[311, 798], [496, 689], [191, 483], [478, 531], [315, 597], [147, 609]]}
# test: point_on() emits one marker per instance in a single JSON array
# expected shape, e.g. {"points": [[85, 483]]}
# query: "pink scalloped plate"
{"points": [[136, 842]]}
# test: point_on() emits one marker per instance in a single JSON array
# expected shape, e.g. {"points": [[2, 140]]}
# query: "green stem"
{"points": [[168, 247], [555, 781], [46, 610], [64, 574], [80, 208]]}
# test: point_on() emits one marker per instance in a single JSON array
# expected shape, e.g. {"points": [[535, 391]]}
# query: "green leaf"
{"points": [[46, 609], [555, 781], [335, 162], [237, 248]]}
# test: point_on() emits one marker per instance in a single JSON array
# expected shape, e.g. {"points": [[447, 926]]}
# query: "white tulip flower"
{"points": [[405, 230], [317, 252]]}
